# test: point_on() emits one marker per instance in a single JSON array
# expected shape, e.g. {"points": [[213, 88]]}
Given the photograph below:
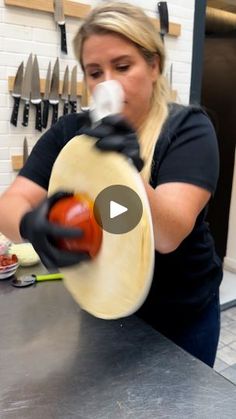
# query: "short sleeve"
{"points": [[191, 155], [40, 161]]}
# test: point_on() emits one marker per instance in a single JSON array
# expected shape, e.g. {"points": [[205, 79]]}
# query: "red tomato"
{"points": [[6, 260], [77, 211]]}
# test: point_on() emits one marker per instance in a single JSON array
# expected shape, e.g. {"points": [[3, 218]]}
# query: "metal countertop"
{"points": [[57, 361]]}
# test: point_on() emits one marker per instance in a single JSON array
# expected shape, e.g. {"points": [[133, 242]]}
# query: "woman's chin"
{"points": [[129, 119]]}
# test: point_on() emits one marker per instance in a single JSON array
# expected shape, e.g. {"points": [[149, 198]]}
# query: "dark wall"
{"points": [[218, 96]]}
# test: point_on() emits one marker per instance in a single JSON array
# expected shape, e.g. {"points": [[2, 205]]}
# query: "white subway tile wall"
{"points": [[23, 31]]}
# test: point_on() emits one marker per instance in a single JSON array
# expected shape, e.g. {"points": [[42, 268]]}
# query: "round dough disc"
{"points": [[116, 282]]}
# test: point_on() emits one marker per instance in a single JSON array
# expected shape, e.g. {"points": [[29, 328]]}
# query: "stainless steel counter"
{"points": [[59, 362]]}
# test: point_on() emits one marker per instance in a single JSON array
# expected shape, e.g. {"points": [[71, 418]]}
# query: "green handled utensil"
{"points": [[26, 280]]}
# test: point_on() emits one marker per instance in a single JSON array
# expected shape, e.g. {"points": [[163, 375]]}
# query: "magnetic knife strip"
{"points": [[28, 88]]}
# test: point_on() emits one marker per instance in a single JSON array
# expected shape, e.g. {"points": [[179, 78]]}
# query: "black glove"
{"points": [[42, 234], [115, 134]]}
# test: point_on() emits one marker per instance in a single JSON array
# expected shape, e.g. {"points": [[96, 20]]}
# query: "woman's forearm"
{"points": [[19, 198], [172, 221], [11, 211]]}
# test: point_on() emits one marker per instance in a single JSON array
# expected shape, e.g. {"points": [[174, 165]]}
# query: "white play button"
{"points": [[116, 209]]}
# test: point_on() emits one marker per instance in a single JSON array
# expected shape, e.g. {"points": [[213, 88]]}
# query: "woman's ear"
{"points": [[155, 68]]}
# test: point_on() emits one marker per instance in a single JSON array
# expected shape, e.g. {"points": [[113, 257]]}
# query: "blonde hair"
{"points": [[132, 23]]}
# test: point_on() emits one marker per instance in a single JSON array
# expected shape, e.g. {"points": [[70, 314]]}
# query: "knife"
{"points": [[65, 91], [35, 94], [60, 20], [25, 150], [73, 90], [26, 89], [16, 93], [164, 18], [54, 92], [84, 102], [46, 96]]}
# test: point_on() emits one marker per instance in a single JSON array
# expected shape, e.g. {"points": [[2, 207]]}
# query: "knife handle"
{"points": [[45, 113], [66, 108], [14, 115], [26, 114], [49, 277], [63, 38], [54, 113], [73, 106], [164, 18], [38, 119]]}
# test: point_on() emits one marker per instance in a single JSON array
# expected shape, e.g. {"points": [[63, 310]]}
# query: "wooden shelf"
{"points": [[226, 6], [42, 85], [80, 89], [78, 10], [174, 28], [174, 95], [71, 8], [17, 162]]}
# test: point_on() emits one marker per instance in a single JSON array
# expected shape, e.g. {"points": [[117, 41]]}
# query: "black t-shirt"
{"points": [[40, 161], [186, 279], [186, 151]]}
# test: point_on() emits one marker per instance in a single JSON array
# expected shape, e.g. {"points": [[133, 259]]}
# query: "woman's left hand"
{"points": [[115, 134]]}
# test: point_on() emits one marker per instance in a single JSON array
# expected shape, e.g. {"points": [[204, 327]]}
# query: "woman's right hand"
{"points": [[114, 133], [42, 234]]}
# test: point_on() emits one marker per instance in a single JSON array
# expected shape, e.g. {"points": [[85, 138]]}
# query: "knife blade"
{"points": [[73, 90], [65, 91], [84, 101], [54, 92], [164, 18], [26, 89], [16, 93], [35, 94], [46, 96], [25, 150], [60, 20]]}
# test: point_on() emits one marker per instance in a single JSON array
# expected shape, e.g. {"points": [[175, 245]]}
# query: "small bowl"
{"points": [[8, 267], [8, 273]]}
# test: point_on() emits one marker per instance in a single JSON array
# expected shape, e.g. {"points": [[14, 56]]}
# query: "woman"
{"points": [[178, 147]]}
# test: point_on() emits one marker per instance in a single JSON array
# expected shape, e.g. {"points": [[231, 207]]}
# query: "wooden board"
{"points": [[73, 9], [174, 28], [78, 10], [17, 162], [174, 95], [80, 90], [42, 85], [226, 5]]}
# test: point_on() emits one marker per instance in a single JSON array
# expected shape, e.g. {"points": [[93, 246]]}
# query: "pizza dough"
{"points": [[116, 282], [25, 253]]}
